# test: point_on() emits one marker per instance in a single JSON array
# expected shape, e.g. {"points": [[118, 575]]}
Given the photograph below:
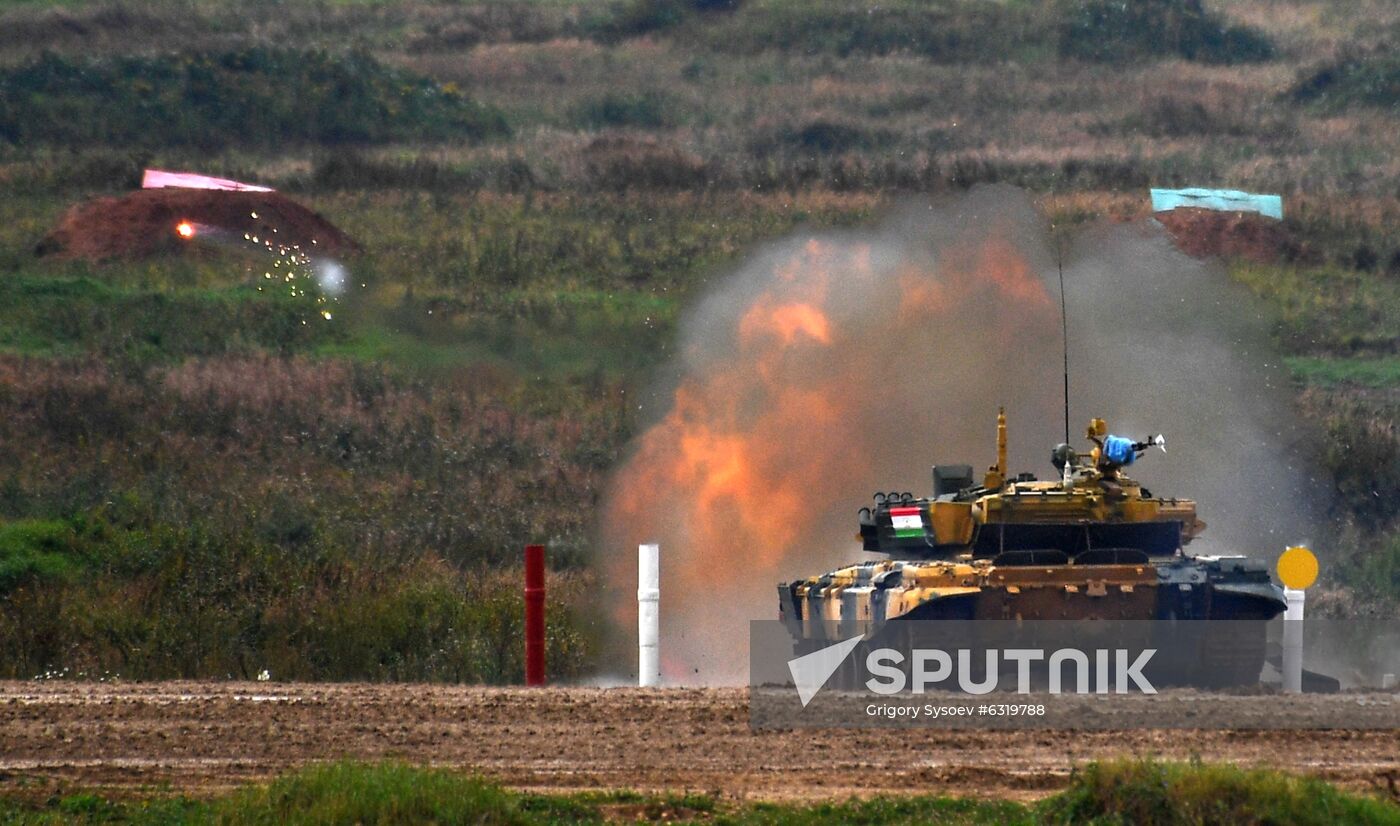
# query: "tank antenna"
{"points": [[1064, 319]]}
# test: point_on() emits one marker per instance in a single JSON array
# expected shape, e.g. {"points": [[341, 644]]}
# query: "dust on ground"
{"points": [[142, 223], [203, 738]]}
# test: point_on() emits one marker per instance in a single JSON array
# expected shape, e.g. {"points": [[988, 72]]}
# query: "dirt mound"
{"points": [[1247, 235], [144, 223]]}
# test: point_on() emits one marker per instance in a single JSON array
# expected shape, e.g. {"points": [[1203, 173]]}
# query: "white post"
{"points": [[648, 615], [1293, 641]]}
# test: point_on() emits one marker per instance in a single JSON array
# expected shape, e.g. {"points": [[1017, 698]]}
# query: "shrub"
{"points": [[1149, 793], [200, 601], [349, 169], [822, 136], [100, 170], [58, 316], [387, 792], [947, 31], [322, 519], [1360, 453], [466, 26], [618, 164], [257, 96], [951, 31], [633, 18], [1357, 78], [1169, 117], [1115, 31], [37, 551], [645, 110], [828, 136], [1375, 570]]}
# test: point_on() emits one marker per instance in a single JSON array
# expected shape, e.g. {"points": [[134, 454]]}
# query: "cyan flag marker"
{"points": [[1227, 200]]}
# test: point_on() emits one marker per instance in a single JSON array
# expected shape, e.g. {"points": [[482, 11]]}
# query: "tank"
{"points": [[1088, 544]]}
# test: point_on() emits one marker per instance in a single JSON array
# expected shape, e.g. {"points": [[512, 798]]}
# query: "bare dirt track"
{"points": [[202, 738]]}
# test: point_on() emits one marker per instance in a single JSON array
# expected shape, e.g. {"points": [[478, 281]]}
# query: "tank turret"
{"points": [[1092, 505]]}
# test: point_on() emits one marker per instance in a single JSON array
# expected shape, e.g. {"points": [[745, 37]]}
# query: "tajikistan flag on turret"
{"points": [[908, 523]]}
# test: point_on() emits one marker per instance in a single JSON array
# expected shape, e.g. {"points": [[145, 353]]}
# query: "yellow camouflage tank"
{"points": [[1091, 545]]}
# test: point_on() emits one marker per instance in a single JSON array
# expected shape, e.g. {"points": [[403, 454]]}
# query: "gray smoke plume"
{"points": [[832, 365], [1160, 341]]}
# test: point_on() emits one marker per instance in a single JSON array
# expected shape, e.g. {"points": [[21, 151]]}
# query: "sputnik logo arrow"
{"points": [[811, 671]]}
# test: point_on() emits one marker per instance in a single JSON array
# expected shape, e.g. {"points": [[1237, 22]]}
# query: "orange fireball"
{"points": [[813, 377], [184, 229]]}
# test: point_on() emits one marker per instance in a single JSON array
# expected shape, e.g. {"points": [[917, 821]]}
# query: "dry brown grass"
{"points": [[1309, 29], [1173, 121]]}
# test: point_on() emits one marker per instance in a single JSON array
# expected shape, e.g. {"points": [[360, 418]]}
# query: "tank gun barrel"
{"points": [[1001, 441], [996, 474]]}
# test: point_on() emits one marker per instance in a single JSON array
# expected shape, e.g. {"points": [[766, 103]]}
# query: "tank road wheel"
{"points": [[1233, 657], [851, 675]]}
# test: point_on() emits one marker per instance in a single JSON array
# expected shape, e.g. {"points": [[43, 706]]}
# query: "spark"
{"points": [[184, 229]]}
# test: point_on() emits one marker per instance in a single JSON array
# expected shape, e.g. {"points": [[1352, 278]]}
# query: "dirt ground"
{"points": [[204, 738], [1208, 233]]}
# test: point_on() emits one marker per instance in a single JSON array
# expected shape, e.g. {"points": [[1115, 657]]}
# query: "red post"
{"points": [[534, 615]]}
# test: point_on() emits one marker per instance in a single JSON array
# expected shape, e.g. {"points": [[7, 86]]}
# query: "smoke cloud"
{"points": [[829, 366]]}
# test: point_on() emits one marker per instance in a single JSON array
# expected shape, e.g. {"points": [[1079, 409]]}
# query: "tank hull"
{"points": [[874, 599]]}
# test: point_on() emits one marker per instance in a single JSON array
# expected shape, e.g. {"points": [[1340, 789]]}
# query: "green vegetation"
{"points": [[372, 533], [210, 604], [1144, 793], [256, 96], [59, 316], [540, 189], [1376, 573], [948, 31], [1360, 450], [1329, 311], [1148, 792], [1362, 372], [337, 499], [648, 110], [1357, 78], [1344, 326], [1114, 31], [37, 552]]}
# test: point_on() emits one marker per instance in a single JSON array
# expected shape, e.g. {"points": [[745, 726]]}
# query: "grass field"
{"points": [[541, 188], [1139, 792]]}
